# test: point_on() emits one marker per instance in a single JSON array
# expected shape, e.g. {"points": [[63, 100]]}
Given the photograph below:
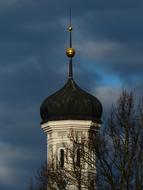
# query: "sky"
{"points": [[108, 38]]}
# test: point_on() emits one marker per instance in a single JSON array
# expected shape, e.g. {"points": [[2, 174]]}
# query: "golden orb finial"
{"points": [[70, 52]]}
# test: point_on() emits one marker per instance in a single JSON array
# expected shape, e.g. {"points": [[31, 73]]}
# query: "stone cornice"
{"points": [[80, 125]]}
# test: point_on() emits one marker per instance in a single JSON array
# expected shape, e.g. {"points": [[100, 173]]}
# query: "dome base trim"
{"points": [[68, 124]]}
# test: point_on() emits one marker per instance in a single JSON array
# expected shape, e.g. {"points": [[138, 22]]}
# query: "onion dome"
{"points": [[71, 102]]}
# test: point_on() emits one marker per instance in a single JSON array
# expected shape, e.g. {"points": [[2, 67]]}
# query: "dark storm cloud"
{"points": [[118, 34], [33, 38]]}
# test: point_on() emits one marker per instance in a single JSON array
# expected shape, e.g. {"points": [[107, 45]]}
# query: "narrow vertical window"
{"points": [[62, 158], [78, 157]]}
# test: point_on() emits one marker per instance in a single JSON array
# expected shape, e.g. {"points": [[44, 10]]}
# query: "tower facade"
{"points": [[70, 118]]}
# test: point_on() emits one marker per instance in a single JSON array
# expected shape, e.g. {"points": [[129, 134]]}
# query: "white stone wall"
{"points": [[57, 137]]}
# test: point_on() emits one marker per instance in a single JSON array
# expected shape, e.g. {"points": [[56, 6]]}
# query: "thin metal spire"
{"points": [[70, 29], [70, 16], [70, 68], [70, 51]]}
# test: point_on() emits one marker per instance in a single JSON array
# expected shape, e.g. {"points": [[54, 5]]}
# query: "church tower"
{"points": [[69, 117]]}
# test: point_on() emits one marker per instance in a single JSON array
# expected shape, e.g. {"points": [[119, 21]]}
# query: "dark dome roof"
{"points": [[71, 102]]}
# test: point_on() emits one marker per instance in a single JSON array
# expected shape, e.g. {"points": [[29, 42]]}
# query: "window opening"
{"points": [[62, 158], [78, 157]]}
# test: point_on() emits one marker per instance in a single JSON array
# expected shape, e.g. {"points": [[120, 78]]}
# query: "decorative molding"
{"points": [[79, 125]]}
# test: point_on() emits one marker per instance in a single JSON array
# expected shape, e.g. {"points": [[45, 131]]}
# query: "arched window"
{"points": [[62, 159], [78, 157]]}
